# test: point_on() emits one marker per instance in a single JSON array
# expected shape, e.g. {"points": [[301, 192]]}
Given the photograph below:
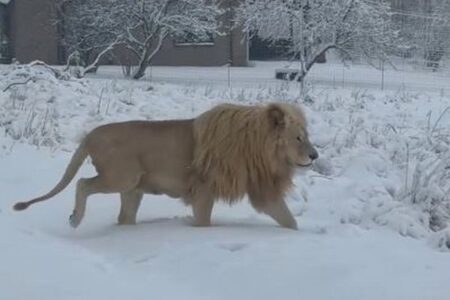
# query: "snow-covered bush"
{"points": [[407, 188]]}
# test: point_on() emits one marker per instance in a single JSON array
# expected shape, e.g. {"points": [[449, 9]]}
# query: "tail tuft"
{"points": [[21, 206]]}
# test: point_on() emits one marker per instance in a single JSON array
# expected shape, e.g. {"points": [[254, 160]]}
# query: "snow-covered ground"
{"points": [[372, 213], [333, 74]]}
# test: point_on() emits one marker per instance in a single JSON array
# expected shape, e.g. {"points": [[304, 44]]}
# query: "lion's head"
{"points": [[238, 147], [290, 124]]}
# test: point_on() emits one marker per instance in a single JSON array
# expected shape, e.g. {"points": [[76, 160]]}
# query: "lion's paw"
{"points": [[74, 220]]}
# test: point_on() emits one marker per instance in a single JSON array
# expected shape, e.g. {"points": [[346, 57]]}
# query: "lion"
{"points": [[226, 153]]}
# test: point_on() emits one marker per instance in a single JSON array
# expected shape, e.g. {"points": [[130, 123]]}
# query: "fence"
{"points": [[411, 68], [403, 75]]}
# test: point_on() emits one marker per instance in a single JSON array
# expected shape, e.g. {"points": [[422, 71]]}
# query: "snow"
{"points": [[333, 74], [360, 234]]}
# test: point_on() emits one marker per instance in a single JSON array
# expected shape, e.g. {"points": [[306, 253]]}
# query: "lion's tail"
{"points": [[75, 163]]}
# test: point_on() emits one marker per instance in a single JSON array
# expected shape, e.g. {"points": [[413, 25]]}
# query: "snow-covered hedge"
{"points": [[394, 149]]}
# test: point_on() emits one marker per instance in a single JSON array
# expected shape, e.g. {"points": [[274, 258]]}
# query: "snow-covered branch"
{"points": [[310, 28], [94, 27]]}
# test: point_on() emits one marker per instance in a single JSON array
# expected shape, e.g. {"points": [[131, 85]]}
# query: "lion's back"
{"points": [[157, 148]]}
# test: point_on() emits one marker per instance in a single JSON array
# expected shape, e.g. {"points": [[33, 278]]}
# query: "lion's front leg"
{"points": [[274, 206], [202, 212], [279, 211], [202, 205]]}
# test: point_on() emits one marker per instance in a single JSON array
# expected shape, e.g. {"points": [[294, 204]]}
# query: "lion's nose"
{"points": [[314, 155]]}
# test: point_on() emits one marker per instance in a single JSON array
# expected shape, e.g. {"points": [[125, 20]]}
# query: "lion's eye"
{"points": [[299, 139]]}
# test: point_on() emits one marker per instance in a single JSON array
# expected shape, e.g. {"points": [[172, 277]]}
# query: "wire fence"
{"points": [[402, 76], [422, 64]]}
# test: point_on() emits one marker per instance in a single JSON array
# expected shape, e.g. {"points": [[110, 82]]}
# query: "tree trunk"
{"points": [[148, 54], [322, 58], [319, 55], [140, 72], [92, 70], [143, 63]]}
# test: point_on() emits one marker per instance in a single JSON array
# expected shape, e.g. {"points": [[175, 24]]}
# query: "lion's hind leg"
{"points": [[115, 183], [85, 187], [130, 202]]}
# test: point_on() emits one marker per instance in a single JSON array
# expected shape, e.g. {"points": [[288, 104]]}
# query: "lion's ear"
{"points": [[277, 117]]}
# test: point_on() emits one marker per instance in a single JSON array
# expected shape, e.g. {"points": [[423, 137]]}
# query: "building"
{"points": [[28, 32]]}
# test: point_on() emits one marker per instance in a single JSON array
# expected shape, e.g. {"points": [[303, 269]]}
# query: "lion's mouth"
{"points": [[305, 165]]}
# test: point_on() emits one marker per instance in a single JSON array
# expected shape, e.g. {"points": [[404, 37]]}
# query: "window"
{"points": [[190, 39], [4, 41]]}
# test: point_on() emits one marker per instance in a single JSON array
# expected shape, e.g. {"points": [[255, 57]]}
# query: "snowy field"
{"points": [[333, 74], [373, 212]]}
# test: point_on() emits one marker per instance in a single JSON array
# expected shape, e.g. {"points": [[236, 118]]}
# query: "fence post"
{"points": [[151, 73], [229, 74]]}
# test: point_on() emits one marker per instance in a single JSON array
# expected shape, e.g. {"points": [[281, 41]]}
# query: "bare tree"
{"points": [[85, 34], [140, 26], [313, 27]]}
